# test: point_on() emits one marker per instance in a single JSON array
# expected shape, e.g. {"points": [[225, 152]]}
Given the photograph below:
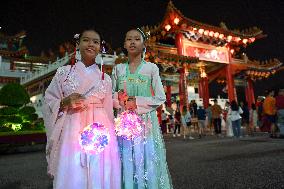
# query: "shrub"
{"points": [[26, 126], [26, 110], [14, 94], [8, 111], [13, 119]]}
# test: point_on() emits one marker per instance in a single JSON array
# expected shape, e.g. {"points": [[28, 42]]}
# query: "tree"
{"points": [[14, 94]]}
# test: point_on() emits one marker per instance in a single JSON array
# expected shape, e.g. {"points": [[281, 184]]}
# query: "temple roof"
{"points": [[16, 37], [18, 53], [174, 21]]}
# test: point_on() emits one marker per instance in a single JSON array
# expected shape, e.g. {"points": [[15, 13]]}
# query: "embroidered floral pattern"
{"points": [[99, 90], [61, 71], [71, 83]]}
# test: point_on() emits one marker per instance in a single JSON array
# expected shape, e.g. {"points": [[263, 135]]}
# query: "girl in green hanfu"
{"points": [[137, 86]]}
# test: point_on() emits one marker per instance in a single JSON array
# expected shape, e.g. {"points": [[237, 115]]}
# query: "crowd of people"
{"points": [[266, 115]]}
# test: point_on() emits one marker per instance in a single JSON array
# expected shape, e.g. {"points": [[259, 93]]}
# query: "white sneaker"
{"points": [[178, 135], [174, 135], [191, 138], [184, 137]]}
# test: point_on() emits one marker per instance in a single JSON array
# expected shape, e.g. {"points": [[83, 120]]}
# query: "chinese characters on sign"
{"points": [[206, 52]]}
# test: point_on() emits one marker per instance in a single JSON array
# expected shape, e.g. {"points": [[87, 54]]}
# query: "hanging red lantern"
{"points": [[229, 38], [201, 31]]}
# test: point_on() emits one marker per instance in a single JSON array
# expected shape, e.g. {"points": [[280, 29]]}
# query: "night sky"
{"points": [[49, 23]]}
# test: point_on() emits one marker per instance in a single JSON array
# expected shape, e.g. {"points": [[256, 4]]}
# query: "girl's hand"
{"points": [[131, 104], [122, 97], [75, 101]]}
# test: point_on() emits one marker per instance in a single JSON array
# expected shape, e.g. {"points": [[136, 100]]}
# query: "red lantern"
{"points": [[206, 32], [168, 27], [201, 31], [229, 38]]}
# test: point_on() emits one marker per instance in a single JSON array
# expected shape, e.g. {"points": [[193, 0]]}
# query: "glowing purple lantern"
{"points": [[94, 138], [129, 125]]}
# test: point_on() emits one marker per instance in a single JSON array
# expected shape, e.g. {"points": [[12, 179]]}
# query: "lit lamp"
{"points": [[176, 21], [201, 67], [229, 38], [201, 31], [203, 74], [168, 27]]}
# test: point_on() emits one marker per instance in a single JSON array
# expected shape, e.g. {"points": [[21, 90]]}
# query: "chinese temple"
{"points": [[191, 53], [15, 61]]}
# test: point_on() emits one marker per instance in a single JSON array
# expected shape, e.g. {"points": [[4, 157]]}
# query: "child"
{"points": [[76, 97], [143, 159]]}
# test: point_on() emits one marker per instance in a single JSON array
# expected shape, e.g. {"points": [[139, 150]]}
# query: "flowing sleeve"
{"points": [[53, 119], [147, 104], [108, 101], [114, 78], [51, 104]]}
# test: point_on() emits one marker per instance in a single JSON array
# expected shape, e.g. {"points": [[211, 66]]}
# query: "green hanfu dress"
{"points": [[144, 162]]}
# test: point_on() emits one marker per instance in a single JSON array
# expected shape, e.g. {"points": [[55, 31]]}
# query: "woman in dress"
{"points": [[228, 121], [143, 158], [77, 96], [235, 112]]}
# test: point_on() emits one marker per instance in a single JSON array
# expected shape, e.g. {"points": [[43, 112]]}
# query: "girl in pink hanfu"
{"points": [[76, 97]]}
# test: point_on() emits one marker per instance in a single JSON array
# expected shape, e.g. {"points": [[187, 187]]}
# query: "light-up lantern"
{"points": [[94, 138], [221, 36], [176, 21], [252, 39], [216, 34], [206, 32], [129, 125], [237, 39], [168, 27], [201, 31], [229, 38]]}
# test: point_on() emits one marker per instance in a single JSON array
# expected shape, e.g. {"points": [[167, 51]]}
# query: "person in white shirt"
{"points": [[234, 113], [186, 123]]}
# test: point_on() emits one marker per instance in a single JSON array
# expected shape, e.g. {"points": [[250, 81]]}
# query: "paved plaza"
{"points": [[250, 162]]}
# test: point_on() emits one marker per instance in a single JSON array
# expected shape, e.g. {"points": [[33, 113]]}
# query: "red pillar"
{"points": [[206, 92], [181, 51], [230, 83], [169, 95], [250, 92], [181, 89], [179, 44], [248, 98], [200, 88]]}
